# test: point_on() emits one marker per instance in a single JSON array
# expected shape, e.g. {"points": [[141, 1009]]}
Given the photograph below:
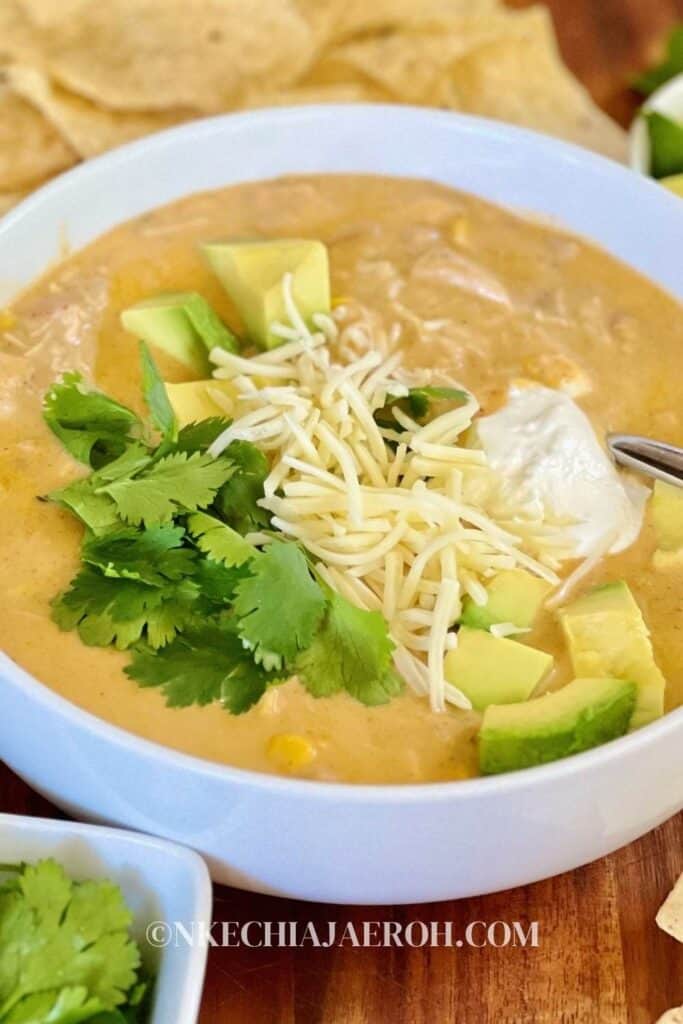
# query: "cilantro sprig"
{"points": [[66, 953], [93, 427], [169, 572]]}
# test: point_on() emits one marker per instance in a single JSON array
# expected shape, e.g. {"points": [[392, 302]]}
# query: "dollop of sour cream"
{"points": [[545, 448]]}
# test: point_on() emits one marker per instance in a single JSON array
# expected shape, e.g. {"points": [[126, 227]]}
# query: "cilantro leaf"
{"points": [[666, 145], [154, 390], [178, 482], [65, 948], [217, 582], [351, 651], [208, 325], [65, 1006], [420, 403], [113, 611], [201, 666], [153, 556], [96, 511], [218, 541], [420, 399], [95, 429], [669, 67], [86, 498], [279, 604], [136, 457], [197, 437], [237, 500]]}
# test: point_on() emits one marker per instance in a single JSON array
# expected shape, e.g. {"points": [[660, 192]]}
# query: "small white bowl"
{"points": [[667, 100], [161, 882]]}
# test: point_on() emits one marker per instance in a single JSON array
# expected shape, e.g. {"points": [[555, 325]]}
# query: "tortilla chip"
{"points": [[359, 16], [520, 78], [46, 13], [674, 1016], [408, 66], [170, 54], [323, 16], [10, 199], [30, 148], [670, 916], [88, 128], [354, 92], [18, 38]]}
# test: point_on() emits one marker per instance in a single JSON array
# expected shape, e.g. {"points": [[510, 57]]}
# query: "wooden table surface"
{"points": [[600, 958]]}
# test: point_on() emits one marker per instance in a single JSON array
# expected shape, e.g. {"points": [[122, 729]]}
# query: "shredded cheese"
{"points": [[403, 520]]}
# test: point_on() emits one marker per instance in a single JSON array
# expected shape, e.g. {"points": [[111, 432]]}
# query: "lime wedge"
{"points": [[674, 182]]}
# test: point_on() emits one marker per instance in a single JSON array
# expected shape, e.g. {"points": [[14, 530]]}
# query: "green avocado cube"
{"points": [[666, 511], [184, 325], [514, 595], [489, 670], [583, 714], [252, 273], [607, 637]]}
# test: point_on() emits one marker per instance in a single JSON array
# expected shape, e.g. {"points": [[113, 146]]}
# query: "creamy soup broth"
{"points": [[480, 295]]}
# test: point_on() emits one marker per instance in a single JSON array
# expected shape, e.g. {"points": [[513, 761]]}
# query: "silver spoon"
{"points": [[653, 458]]}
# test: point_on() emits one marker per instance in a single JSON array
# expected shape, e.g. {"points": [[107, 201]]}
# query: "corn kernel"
{"points": [[460, 231], [290, 753], [339, 300], [7, 320]]}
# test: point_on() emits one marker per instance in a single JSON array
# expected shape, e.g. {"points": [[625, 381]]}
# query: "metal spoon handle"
{"points": [[653, 458]]}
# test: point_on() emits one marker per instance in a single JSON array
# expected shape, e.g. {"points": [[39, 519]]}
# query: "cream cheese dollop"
{"points": [[546, 450]]}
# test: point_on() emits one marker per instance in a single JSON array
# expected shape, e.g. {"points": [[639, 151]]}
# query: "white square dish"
{"points": [[161, 882]]}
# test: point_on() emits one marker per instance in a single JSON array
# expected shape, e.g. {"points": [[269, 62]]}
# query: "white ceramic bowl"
{"points": [[161, 883], [669, 101], [320, 841]]}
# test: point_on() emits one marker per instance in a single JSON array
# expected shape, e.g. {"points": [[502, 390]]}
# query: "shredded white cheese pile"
{"points": [[406, 528]]}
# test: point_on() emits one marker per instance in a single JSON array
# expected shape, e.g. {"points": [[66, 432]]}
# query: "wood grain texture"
{"points": [[601, 958]]}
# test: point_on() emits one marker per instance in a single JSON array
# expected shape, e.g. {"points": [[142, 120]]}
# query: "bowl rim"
{"points": [[54, 828], [394, 793]]}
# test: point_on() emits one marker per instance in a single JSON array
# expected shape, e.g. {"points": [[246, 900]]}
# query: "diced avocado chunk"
{"points": [[666, 510], [252, 273], [489, 670], [198, 400], [183, 324], [583, 714], [514, 596], [607, 637]]}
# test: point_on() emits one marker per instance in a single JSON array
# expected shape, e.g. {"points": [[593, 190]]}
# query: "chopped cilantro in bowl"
{"points": [[66, 951]]}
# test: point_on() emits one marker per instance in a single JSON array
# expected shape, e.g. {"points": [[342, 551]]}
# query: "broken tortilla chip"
{"points": [[30, 147], [46, 13], [670, 916], [674, 1016], [408, 65], [359, 16], [167, 54], [520, 78], [355, 92], [88, 128], [18, 38], [10, 199]]}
